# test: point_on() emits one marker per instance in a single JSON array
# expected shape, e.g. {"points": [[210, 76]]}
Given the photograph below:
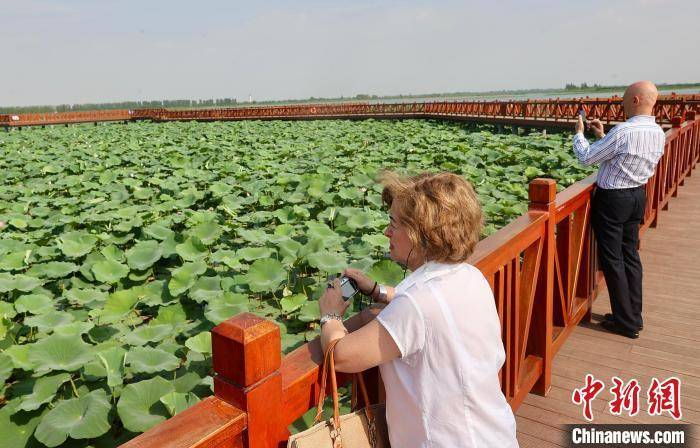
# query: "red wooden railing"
{"points": [[549, 112], [541, 268]]}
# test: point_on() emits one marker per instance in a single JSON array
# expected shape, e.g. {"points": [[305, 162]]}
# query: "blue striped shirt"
{"points": [[628, 154]]}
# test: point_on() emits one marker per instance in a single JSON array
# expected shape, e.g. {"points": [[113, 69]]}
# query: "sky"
{"points": [[81, 51]]}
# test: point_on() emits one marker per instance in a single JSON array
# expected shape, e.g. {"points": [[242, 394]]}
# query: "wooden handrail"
{"points": [[542, 268]]}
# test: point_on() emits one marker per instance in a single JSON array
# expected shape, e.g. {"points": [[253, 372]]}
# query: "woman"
{"points": [[438, 341]]}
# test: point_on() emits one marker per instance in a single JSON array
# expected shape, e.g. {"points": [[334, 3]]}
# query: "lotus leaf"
{"points": [[200, 343], [79, 418], [184, 277], [139, 407], [109, 271], [265, 275], [44, 390], [76, 244], [143, 254], [59, 352]]}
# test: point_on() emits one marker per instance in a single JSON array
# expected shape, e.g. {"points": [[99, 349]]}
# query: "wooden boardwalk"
{"points": [[668, 346]]}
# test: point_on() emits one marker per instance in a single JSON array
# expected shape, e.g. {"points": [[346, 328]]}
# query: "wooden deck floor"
{"points": [[668, 346]]}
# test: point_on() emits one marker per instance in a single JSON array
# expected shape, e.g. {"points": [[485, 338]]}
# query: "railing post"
{"points": [[246, 358], [542, 194]]}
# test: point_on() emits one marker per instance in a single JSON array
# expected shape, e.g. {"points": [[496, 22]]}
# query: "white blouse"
{"points": [[444, 391]]}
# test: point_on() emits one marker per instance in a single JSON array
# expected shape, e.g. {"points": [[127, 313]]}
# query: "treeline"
{"points": [[220, 102], [232, 102]]}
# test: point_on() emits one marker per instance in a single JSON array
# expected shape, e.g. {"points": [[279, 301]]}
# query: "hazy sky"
{"points": [[76, 51]]}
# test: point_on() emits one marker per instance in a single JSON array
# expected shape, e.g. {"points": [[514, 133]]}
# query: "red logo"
{"points": [[626, 397], [665, 397], [587, 394]]}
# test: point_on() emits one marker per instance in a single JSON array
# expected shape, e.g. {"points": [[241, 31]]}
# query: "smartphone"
{"points": [[582, 113], [348, 287]]}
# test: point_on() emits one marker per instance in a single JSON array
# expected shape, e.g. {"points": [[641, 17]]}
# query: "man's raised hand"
{"points": [[597, 127]]}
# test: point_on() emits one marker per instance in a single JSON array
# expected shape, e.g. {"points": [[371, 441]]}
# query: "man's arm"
{"points": [[599, 151]]}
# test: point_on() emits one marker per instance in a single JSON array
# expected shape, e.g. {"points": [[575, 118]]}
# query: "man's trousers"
{"points": [[616, 215]]}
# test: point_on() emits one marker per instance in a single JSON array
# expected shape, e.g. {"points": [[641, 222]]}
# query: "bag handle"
{"points": [[329, 367]]}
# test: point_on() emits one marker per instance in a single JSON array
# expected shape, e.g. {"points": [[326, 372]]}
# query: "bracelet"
{"points": [[372, 291], [328, 316]]}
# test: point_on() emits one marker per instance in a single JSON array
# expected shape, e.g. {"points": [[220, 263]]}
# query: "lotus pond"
{"points": [[121, 246]]}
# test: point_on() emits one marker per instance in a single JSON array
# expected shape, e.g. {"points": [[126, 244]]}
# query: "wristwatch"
{"points": [[331, 316], [383, 294]]}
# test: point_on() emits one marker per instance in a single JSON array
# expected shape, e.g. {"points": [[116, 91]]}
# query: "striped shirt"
{"points": [[628, 154]]}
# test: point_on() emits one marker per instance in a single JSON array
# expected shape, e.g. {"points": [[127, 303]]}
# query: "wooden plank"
{"points": [[211, 423]]}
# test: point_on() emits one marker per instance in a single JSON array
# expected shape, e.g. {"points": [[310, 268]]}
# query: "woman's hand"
{"points": [[332, 300], [363, 282]]}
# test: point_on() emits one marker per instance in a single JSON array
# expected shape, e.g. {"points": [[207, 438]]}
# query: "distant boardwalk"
{"points": [[668, 346]]}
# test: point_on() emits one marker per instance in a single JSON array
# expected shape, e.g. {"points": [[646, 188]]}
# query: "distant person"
{"points": [[628, 155], [438, 340]]}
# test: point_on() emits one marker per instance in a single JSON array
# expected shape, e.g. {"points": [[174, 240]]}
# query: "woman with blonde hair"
{"points": [[437, 341]]}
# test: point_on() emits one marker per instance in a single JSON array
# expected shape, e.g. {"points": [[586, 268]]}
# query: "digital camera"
{"points": [[348, 287]]}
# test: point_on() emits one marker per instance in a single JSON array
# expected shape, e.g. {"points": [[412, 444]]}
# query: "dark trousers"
{"points": [[616, 215]]}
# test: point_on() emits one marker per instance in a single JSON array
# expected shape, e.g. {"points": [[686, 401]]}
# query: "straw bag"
{"points": [[365, 428]]}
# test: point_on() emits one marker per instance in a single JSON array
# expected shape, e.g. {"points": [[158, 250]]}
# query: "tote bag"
{"points": [[365, 428]]}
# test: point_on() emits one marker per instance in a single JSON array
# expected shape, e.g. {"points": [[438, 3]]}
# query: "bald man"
{"points": [[627, 156]]}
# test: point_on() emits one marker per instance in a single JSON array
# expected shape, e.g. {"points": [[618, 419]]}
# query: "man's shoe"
{"points": [[615, 328], [609, 316]]}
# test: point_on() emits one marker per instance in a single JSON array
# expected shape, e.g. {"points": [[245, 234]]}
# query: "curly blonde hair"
{"points": [[441, 213]]}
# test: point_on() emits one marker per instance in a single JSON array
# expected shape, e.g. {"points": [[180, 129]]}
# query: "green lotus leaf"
{"points": [[19, 354], [79, 418], [147, 333], [158, 231], [76, 244], [143, 254], [223, 308], [114, 253], [310, 311], [74, 328], [207, 232], [254, 253], [49, 320], [168, 246], [14, 261], [173, 315], [289, 249], [293, 302], [227, 257], [119, 304], [52, 269], [192, 249], [255, 236], [139, 407], [176, 402], [44, 390], [59, 352], [109, 271], [151, 360], [350, 193], [386, 272], [200, 343], [359, 220], [265, 275], [6, 367], [34, 303], [17, 427], [112, 360], [206, 289], [329, 262], [320, 231], [85, 296], [376, 240], [7, 310], [20, 282], [184, 277]]}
